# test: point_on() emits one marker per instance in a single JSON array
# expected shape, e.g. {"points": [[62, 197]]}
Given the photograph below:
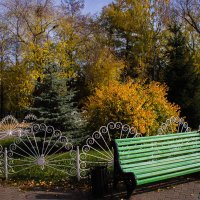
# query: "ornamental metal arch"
{"points": [[41, 148], [174, 125], [98, 147], [29, 118], [11, 127]]}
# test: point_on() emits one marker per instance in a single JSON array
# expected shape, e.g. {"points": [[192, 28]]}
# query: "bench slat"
{"points": [[167, 176], [167, 171], [132, 160], [152, 169], [143, 165], [160, 152], [130, 141], [142, 152], [156, 136], [155, 144]]}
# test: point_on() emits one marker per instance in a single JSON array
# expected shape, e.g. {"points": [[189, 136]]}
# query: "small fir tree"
{"points": [[53, 105]]}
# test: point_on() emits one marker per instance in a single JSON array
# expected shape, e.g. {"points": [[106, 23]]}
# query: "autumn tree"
{"points": [[103, 67], [135, 32], [18, 16], [35, 42], [143, 106]]}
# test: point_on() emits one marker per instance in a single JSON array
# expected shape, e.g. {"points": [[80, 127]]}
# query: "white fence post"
{"points": [[6, 163], [78, 163]]}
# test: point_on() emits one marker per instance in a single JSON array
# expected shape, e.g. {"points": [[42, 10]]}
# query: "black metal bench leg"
{"points": [[115, 181], [130, 184]]}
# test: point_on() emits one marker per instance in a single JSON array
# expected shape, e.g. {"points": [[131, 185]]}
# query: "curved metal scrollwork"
{"points": [[11, 127], [98, 148], [174, 125], [29, 118], [44, 148]]}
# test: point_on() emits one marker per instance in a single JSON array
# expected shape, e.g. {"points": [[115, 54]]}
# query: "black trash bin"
{"points": [[99, 181]]}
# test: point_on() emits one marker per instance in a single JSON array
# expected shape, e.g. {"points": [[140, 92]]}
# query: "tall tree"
{"points": [[39, 34], [180, 72], [189, 11], [5, 39], [102, 68], [135, 29]]}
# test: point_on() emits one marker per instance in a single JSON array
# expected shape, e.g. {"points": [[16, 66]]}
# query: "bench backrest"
{"points": [[145, 150]]}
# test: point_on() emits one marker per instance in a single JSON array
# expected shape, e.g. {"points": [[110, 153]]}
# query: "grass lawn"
{"points": [[58, 169]]}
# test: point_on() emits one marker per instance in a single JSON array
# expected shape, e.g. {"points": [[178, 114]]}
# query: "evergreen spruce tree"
{"points": [[53, 105], [69, 118], [45, 105], [180, 74]]}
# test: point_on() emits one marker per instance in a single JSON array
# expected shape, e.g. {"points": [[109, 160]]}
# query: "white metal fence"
{"points": [[98, 147], [1, 161]]}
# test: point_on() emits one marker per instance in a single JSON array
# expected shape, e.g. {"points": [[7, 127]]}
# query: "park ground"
{"points": [[184, 188]]}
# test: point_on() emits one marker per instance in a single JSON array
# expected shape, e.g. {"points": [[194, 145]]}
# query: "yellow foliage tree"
{"points": [[136, 34], [34, 43], [143, 106], [19, 87], [103, 69]]}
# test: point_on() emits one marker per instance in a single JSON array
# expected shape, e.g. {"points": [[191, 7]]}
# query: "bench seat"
{"points": [[150, 159]]}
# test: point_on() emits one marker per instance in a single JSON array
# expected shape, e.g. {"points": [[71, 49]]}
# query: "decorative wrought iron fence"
{"points": [[98, 147], [11, 127], [174, 125], [40, 146]]}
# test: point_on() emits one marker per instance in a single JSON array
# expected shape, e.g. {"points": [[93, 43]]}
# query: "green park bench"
{"points": [[150, 159]]}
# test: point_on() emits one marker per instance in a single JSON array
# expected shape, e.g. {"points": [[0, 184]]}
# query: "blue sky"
{"points": [[95, 6], [91, 6]]}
